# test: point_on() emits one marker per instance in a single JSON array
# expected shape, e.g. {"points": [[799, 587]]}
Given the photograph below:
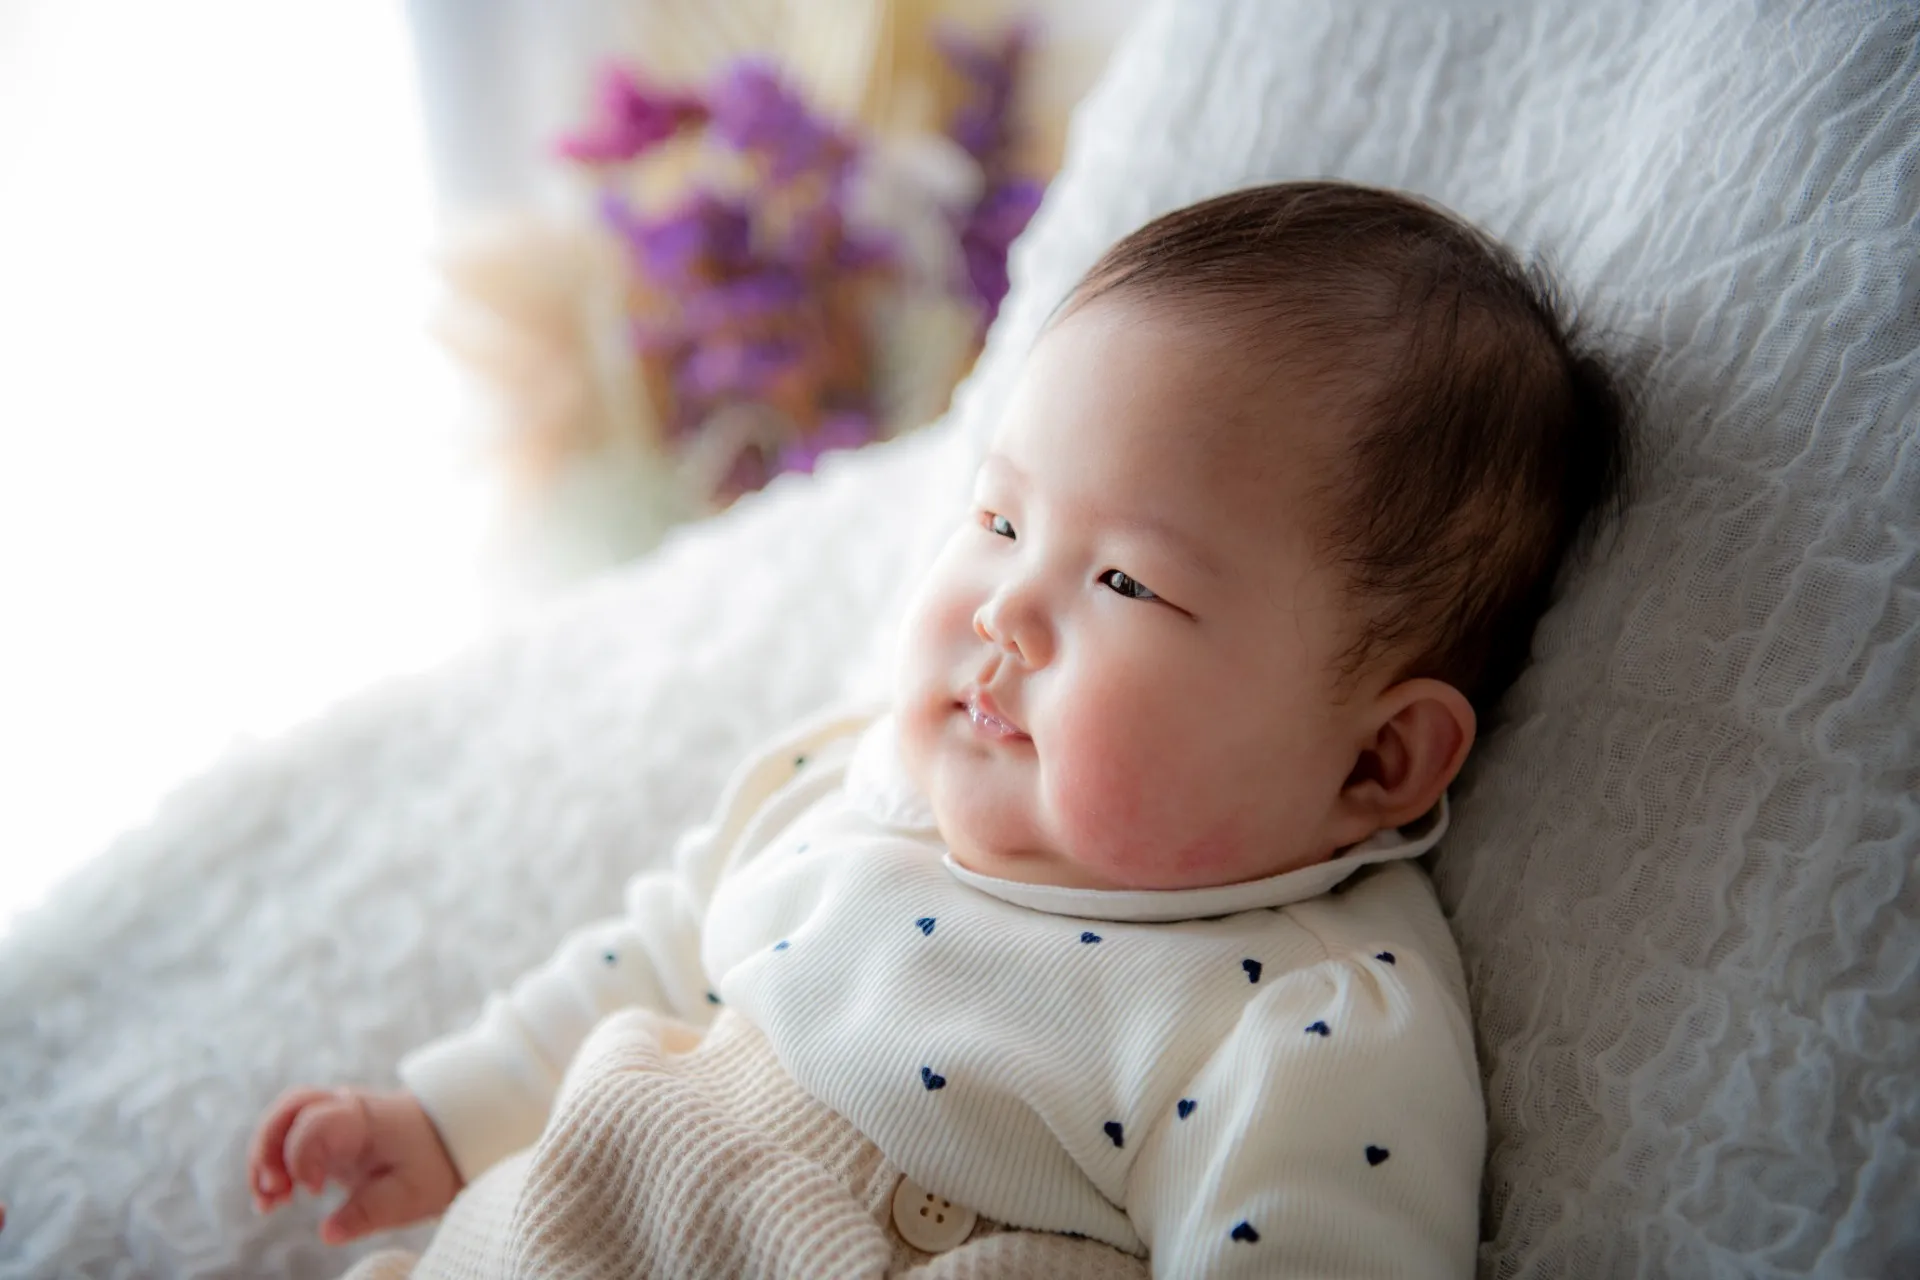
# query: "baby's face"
{"points": [[1122, 671]]}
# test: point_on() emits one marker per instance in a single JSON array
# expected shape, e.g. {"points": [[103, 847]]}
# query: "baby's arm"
{"points": [[488, 1088], [481, 1093], [1338, 1131], [484, 1092]]}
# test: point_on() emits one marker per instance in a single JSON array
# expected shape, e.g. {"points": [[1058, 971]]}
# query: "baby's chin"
{"points": [[1027, 865], [989, 844]]}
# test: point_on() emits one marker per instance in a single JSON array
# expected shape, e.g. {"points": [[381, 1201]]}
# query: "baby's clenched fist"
{"points": [[381, 1147]]}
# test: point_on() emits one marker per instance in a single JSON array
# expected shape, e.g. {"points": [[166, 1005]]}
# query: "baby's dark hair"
{"points": [[1488, 440]]}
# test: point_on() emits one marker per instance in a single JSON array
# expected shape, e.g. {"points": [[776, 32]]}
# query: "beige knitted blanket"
{"points": [[679, 1155]]}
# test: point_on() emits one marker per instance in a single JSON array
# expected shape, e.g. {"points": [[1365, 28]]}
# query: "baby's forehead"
{"points": [[1212, 494]]}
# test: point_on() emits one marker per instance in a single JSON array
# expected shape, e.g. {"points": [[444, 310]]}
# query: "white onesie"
{"points": [[1261, 1079]]}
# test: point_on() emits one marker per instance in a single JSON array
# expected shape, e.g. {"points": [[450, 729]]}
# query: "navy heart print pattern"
{"points": [[1319, 1029], [1253, 969], [932, 1079], [1246, 1232], [1376, 1155], [925, 925], [1185, 1108], [1386, 956], [1089, 936], [1114, 1131]]}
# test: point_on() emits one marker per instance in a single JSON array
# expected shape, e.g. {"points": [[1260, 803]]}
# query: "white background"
{"points": [[231, 484]]}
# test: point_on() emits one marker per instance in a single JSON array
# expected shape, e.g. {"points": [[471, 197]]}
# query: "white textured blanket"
{"points": [[1685, 876]]}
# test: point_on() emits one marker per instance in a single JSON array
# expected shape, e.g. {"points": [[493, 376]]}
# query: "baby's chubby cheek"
{"points": [[1130, 805]]}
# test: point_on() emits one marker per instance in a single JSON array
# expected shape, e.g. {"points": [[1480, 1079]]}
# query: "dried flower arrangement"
{"points": [[752, 279], [758, 284]]}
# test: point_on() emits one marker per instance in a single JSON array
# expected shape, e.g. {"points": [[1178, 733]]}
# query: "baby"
{"points": [[1101, 951]]}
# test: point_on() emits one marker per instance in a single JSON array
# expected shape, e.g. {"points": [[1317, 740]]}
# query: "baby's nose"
{"points": [[1010, 622], [983, 624]]}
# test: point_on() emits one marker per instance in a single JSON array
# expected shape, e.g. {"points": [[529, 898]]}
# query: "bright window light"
{"points": [[232, 487]]}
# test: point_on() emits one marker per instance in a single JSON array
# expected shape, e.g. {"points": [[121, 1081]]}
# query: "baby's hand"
{"points": [[380, 1146]]}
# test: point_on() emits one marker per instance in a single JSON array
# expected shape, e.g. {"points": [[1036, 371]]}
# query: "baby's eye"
{"points": [[1131, 588], [1001, 526]]}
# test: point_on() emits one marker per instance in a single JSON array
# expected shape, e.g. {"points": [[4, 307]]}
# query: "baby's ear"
{"points": [[1424, 731]]}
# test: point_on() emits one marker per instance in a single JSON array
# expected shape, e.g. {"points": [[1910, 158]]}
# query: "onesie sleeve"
{"points": [[1338, 1131], [489, 1087]]}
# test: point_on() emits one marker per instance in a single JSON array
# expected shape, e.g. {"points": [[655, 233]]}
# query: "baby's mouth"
{"points": [[988, 720]]}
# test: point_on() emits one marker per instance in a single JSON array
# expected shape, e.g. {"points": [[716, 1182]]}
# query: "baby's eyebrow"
{"points": [[996, 465], [1170, 540]]}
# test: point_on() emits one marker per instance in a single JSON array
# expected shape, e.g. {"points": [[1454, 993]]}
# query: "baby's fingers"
{"points": [[267, 1174], [376, 1205], [326, 1140]]}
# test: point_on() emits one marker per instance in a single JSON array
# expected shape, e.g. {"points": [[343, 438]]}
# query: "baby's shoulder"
{"points": [[1387, 931]]}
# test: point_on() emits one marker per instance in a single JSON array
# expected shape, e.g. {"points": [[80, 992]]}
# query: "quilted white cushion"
{"points": [[1684, 873]]}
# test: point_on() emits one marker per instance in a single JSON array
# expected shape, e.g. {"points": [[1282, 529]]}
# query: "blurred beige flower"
{"points": [[531, 310]]}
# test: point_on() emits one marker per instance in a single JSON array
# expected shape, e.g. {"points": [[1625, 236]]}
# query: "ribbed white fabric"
{"points": [[1289, 1086]]}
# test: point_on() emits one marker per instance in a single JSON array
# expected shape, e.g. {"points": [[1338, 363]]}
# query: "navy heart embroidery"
{"points": [[1246, 1232], [1385, 955], [1185, 1108], [1318, 1029], [780, 945], [1253, 969], [932, 1080], [1089, 936], [1376, 1154], [1115, 1132], [926, 925]]}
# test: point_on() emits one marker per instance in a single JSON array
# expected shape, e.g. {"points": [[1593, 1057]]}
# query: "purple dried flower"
{"points": [[819, 241], [632, 119], [744, 297], [705, 231], [1007, 207], [984, 125], [986, 235], [754, 111], [843, 430], [722, 367], [867, 252], [985, 128], [753, 297]]}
